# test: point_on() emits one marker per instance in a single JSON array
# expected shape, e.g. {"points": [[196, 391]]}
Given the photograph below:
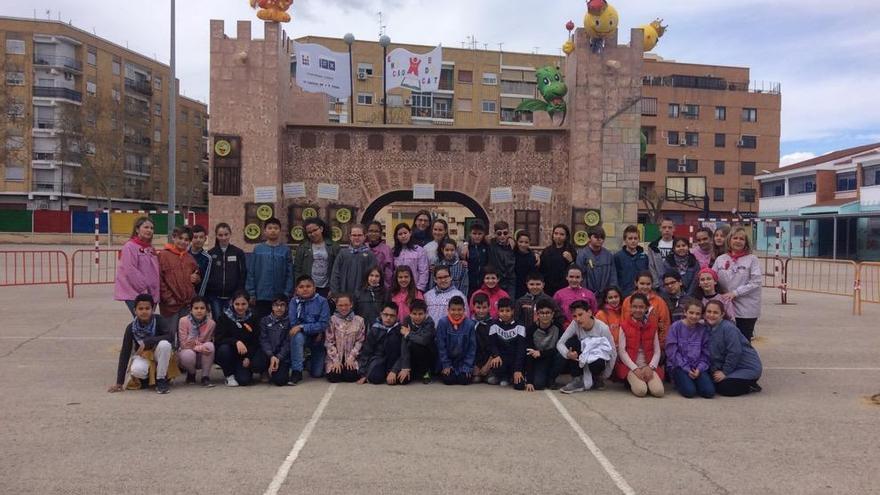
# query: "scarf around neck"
{"points": [[736, 255], [363, 248], [141, 331], [195, 330], [545, 339], [348, 317], [455, 323], [238, 320]]}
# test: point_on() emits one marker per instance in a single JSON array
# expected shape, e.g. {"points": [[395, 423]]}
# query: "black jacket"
{"points": [[163, 332], [230, 332], [228, 272], [275, 337]]}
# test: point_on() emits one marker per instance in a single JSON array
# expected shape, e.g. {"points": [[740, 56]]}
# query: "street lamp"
{"points": [[172, 132], [384, 41], [349, 40]]}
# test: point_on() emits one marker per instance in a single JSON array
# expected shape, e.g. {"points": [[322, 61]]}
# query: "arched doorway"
{"points": [[406, 196]]}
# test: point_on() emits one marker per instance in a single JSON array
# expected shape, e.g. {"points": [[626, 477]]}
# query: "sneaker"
{"points": [[477, 379], [426, 378], [754, 388], [504, 383], [231, 381], [162, 386], [295, 377], [598, 383], [206, 382], [575, 385], [554, 385], [492, 380], [190, 378]]}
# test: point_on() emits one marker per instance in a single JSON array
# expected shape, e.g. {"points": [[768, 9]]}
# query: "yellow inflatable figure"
{"points": [[568, 47], [601, 19], [653, 32], [272, 10]]}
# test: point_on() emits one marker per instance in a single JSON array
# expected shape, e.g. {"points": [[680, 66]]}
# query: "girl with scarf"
{"points": [[421, 234], [740, 276], [370, 297], [707, 290], [611, 312], [408, 253], [687, 353], [195, 335], [352, 263], [404, 291], [639, 350], [137, 271], [149, 336], [343, 341], [237, 341], [682, 261]]}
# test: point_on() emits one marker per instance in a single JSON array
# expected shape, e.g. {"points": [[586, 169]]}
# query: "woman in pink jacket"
{"points": [[137, 270], [408, 253]]}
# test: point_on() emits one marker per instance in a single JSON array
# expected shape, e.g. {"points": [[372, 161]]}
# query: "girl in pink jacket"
{"points": [[195, 335], [137, 270]]}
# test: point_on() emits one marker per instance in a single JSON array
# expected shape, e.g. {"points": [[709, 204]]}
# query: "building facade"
{"points": [[710, 129], [87, 121], [828, 206]]}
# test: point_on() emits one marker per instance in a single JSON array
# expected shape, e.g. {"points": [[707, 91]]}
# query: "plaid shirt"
{"points": [[459, 275]]}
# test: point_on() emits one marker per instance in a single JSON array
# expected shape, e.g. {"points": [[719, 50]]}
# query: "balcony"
{"points": [[649, 106], [142, 87], [712, 84], [41, 156], [45, 123], [58, 61], [55, 187], [64, 93], [138, 141]]}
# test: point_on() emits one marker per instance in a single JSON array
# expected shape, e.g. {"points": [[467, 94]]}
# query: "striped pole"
{"points": [[691, 232], [777, 266], [97, 235]]}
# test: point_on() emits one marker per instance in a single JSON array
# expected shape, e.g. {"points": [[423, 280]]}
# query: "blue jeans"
{"points": [[298, 343], [217, 306], [688, 387]]}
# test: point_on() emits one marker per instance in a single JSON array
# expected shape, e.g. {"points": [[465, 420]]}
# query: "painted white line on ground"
{"points": [[284, 469], [790, 368], [606, 464], [57, 338]]}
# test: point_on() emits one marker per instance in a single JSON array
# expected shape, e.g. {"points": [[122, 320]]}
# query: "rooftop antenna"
{"points": [[501, 47], [48, 14], [382, 26], [535, 49]]}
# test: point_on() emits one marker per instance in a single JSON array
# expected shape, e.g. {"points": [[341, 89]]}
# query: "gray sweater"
{"points": [[731, 353], [349, 270], [599, 270], [743, 277]]}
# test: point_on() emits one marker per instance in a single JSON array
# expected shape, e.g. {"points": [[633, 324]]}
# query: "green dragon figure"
{"points": [[553, 90]]}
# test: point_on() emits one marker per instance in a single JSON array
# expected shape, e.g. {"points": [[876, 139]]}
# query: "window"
{"points": [[747, 195], [91, 118], [92, 56], [649, 106], [91, 88], [117, 66], [802, 185], [465, 105], [718, 194], [442, 143], [475, 144], [645, 188], [14, 171], [673, 110], [409, 142], [871, 176], [691, 111], [801, 229], [395, 101], [376, 142], [543, 144], [490, 79], [748, 142], [528, 221], [15, 78], [720, 113], [115, 94], [365, 70], [719, 167], [157, 136], [750, 115], [226, 176], [466, 76], [308, 140], [341, 141], [157, 109], [720, 140], [648, 163], [447, 75], [846, 181], [692, 138], [747, 168], [773, 188], [509, 144], [14, 47], [15, 109], [688, 166], [14, 142], [365, 99], [672, 138], [157, 83], [490, 106]]}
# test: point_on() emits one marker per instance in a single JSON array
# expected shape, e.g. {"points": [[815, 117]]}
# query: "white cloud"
{"points": [[796, 157]]}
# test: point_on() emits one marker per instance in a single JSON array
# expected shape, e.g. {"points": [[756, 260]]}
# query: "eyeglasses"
{"points": [[669, 284], [279, 305], [501, 232]]}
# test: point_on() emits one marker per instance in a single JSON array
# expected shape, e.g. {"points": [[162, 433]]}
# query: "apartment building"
{"points": [[710, 129], [87, 120]]}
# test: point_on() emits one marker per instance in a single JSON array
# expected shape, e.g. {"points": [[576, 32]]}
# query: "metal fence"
{"points": [[34, 268], [92, 267]]}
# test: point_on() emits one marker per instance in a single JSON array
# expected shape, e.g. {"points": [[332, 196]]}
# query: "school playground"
{"points": [[812, 430]]}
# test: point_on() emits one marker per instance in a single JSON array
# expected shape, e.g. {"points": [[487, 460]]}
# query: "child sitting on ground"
{"points": [[238, 342], [590, 338], [508, 347], [639, 350], [687, 353], [456, 344], [543, 363], [149, 336], [657, 311], [482, 322], [275, 341], [379, 359], [195, 335], [418, 354], [343, 341]]}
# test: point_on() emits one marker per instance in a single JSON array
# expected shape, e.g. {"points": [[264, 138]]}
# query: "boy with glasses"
{"points": [[503, 257]]}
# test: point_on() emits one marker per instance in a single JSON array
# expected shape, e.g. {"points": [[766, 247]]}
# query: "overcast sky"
{"points": [[824, 53]]}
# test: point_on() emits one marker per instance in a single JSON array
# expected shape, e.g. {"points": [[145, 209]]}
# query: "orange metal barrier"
{"points": [[34, 268], [867, 287], [773, 269], [92, 267]]}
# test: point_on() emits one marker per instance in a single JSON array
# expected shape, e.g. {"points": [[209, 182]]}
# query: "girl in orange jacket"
{"points": [[658, 311], [611, 312]]}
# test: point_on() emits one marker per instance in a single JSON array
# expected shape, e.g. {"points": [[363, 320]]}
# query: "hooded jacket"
{"points": [[312, 313], [744, 278], [176, 289], [503, 258], [478, 258], [422, 335], [494, 294], [374, 347], [565, 297], [384, 260], [628, 266], [417, 261], [343, 340], [689, 278]]}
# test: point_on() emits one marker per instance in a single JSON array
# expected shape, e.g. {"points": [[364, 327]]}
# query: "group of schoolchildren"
{"points": [[488, 310]]}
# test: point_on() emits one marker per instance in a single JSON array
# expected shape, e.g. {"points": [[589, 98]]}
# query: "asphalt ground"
{"points": [[814, 428]]}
